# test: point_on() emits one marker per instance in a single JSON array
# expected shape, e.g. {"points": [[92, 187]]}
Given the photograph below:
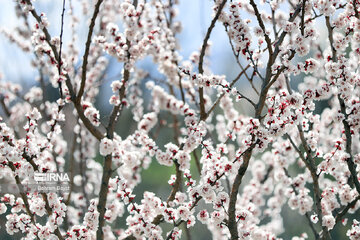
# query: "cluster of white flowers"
{"points": [[298, 146], [354, 232], [239, 30], [326, 7], [91, 113], [203, 80]]}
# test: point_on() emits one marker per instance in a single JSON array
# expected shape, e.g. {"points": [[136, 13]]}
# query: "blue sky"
{"points": [[194, 15]]}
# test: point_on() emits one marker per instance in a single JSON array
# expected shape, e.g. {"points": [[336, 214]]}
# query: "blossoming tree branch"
{"points": [[298, 146]]}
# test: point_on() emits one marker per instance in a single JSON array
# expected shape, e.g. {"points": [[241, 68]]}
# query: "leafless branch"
{"points": [[202, 54], [87, 51]]}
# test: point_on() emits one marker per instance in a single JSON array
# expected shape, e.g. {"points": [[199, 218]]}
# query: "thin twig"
{"points": [[92, 129], [87, 51], [223, 94], [350, 205], [60, 48], [202, 54], [347, 129]]}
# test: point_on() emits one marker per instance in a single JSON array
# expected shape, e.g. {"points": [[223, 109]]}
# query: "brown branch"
{"points": [[92, 129], [60, 48], [176, 185], [87, 51], [202, 103], [23, 195], [348, 148], [357, 15], [158, 219], [351, 204], [108, 162], [108, 159], [347, 129], [174, 190], [236, 55], [30, 159], [283, 34], [272, 57], [303, 18], [267, 174], [232, 223], [201, 58], [262, 26], [5, 108], [273, 20], [310, 165], [181, 88], [331, 39], [103, 196], [320, 15]]}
